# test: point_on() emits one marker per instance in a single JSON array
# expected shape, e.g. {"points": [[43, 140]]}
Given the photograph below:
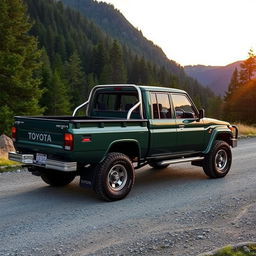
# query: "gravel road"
{"points": [[175, 211]]}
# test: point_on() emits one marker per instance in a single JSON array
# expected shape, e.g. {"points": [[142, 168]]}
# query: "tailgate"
{"points": [[40, 133]]}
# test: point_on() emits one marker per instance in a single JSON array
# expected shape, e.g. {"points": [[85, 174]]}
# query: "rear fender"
{"points": [[129, 147]]}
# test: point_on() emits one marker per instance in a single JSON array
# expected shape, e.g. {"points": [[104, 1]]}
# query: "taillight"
{"points": [[86, 139], [68, 141], [14, 131]]}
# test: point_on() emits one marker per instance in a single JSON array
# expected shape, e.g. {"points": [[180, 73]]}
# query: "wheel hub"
{"points": [[221, 160], [117, 177]]}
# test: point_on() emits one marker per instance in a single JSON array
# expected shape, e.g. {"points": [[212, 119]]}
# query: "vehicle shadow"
{"points": [[147, 180], [172, 175], [182, 178]]}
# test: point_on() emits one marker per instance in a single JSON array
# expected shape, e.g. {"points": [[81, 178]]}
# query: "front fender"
{"points": [[215, 133]]}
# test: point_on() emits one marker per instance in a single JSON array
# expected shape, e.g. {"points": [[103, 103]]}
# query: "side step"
{"points": [[182, 160]]}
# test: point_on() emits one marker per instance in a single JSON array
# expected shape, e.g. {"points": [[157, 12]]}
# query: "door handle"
{"points": [[181, 125]]}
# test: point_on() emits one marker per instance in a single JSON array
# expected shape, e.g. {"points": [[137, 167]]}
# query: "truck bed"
{"points": [[45, 134]]}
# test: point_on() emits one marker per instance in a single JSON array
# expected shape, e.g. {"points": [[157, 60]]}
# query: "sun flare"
{"points": [[195, 32]]}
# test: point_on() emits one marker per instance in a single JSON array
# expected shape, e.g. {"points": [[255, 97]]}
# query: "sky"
{"points": [[208, 32]]}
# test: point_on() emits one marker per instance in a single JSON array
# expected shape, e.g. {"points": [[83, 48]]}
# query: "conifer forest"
{"points": [[51, 56]]}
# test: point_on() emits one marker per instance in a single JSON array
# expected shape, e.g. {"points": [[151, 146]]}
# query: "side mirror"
{"points": [[188, 115], [201, 113]]}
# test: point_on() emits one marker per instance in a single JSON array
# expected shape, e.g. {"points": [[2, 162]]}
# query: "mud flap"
{"points": [[34, 171], [87, 177]]}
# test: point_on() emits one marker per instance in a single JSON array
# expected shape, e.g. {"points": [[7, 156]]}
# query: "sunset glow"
{"points": [[206, 32]]}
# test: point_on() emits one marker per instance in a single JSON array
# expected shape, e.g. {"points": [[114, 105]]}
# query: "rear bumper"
{"points": [[28, 159]]}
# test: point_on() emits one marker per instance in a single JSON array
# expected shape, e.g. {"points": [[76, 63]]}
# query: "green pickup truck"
{"points": [[119, 129]]}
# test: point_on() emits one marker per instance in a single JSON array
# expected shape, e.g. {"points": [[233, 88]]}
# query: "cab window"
{"points": [[183, 107], [161, 107]]}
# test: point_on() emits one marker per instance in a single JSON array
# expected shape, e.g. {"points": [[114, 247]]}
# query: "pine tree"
{"points": [[143, 71], [50, 39], [174, 81], [75, 78], [57, 64], [233, 85], [106, 75], [58, 99], [91, 81], [215, 105], [46, 78], [237, 103], [100, 59], [150, 74], [19, 62], [119, 73], [163, 77], [248, 67], [6, 119], [134, 76], [60, 47]]}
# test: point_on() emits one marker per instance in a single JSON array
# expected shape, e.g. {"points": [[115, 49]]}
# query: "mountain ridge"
{"points": [[216, 78], [114, 22]]}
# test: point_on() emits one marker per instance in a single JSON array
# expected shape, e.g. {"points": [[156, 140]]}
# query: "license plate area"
{"points": [[41, 159]]}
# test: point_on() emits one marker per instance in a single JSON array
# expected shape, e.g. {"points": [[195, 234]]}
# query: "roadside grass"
{"points": [[246, 130], [6, 162], [7, 165], [249, 250]]}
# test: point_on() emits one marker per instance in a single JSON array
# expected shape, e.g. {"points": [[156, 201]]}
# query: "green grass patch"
{"points": [[9, 169], [241, 251]]}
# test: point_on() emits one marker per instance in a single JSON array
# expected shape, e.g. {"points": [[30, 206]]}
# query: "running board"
{"points": [[182, 160]]}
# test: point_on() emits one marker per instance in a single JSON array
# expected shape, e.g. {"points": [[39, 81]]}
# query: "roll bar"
{"points": [[138, 104]]}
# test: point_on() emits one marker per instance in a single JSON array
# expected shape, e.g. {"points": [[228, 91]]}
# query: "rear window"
{"points": [[114, 104]]}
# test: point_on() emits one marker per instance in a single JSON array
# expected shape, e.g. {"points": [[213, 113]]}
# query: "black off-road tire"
{"points": [[158, 165], [57, 178], [114, 177], [217, 162]]}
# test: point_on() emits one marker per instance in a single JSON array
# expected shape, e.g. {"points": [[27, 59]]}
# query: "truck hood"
{"points": [[212, 121]]}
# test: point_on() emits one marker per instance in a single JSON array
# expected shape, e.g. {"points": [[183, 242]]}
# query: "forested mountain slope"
{"points": [[77, 54], [115, 24]]}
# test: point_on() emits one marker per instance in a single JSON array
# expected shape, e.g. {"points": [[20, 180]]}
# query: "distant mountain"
{"points": [[216, 78], [117, 26]]}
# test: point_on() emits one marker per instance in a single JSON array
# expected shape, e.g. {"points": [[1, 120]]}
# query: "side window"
{"points": [[161, 106], [154, 106], [183, 107]]}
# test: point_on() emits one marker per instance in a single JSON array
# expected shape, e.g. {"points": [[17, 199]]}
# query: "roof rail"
{"points": [[138, 104]]}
